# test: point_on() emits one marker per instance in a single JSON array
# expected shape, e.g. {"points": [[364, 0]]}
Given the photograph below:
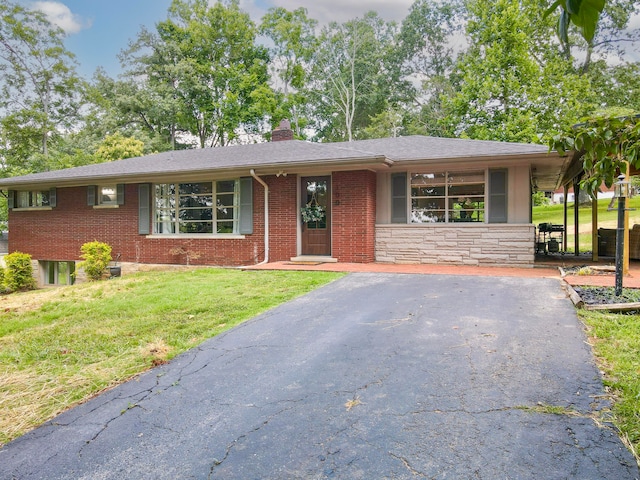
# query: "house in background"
{"points": [[603, 193], [403, 200]]}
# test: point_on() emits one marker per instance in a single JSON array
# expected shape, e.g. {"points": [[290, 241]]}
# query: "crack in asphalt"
{"points": [[408, 465], [234, 442], [139, 398], [247, 405]]}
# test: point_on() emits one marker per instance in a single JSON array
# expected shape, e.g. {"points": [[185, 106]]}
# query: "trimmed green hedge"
{"points": [[18, 276], [97, 256]]}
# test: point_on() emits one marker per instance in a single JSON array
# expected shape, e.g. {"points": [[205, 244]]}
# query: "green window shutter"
{"points": [[399, 198], [120, 193], [52, 197], [498, 196], [11, 199], [144, 209], [246, 205], [91, 195]]}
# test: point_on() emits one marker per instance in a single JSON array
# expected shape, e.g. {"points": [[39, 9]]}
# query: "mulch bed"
{"points": [[601, 298], [604, 298]]}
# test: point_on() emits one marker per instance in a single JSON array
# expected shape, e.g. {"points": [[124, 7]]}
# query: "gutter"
{"points": [[266, 216], [59, 179]]}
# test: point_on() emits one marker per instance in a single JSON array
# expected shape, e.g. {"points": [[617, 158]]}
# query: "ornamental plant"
{"points": [[312, 213], [96, 257], [2, 287], [18, 275]]}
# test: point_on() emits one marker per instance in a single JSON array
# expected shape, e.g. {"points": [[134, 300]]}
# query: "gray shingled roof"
{"points": [[419, 147], [287, 154]]}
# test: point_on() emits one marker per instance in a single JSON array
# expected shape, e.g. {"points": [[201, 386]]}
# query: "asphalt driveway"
{"points": [[372, 376]]}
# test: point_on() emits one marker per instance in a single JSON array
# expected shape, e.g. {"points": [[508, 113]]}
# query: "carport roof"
{"points": [[418, 147], [270, 158]]}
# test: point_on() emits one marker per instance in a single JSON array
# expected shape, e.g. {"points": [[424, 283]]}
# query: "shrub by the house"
{"points": [[18, 274], [96, 257], [3, 289]]}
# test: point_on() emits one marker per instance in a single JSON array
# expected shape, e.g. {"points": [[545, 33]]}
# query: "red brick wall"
{"points": [[59, 233], [353, 216], [283, 211]]}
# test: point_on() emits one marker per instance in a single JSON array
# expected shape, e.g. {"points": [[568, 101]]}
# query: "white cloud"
{"points": [[634, 21], [60, 15], [632, 52]]}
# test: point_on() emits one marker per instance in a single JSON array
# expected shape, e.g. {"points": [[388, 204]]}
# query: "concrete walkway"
{"points": [[375, 375], [545, 271], [547, 268]]}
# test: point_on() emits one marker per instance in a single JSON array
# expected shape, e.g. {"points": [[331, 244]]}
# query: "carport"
{"points": [[571, 180]]}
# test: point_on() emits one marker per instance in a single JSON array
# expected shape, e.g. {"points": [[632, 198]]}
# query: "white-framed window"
{"points": [[197, 207], [442, 196], [32, 199], [58, 273]]}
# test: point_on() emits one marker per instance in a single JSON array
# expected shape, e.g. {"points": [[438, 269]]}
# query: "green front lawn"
{"points": [[59, 347]]}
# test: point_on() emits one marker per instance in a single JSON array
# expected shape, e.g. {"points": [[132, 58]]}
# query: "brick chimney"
{"points": [[282, 132]]}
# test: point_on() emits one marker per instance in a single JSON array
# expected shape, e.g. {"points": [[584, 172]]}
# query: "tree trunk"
{"points": [[587, 60], [45, 150]]}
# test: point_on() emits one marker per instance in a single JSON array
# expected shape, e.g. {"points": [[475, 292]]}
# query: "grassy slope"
{"points": [[61, 346]]}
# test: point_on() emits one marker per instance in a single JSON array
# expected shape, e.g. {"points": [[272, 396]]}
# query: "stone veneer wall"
{"points": [[478, 244]]}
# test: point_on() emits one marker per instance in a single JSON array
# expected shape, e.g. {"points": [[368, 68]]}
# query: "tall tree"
{"points": [[151, 94], [203, 64], [498, 75], [350, 81], [294, 43], [116, 147], [127, 106], [426, 53], [39, 83], [514, 84]]}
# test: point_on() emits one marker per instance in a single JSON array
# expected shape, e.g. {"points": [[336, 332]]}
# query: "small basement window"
{"points": [[58, 273]]}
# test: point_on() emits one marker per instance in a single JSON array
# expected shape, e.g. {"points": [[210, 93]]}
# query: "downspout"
{"points": [[266, 216]]}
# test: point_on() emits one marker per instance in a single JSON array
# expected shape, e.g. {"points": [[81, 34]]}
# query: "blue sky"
{"points": [[99, 29]]}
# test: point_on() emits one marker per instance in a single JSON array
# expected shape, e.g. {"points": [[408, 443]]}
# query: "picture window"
{"points": [[448, 197], [197, 208]]}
